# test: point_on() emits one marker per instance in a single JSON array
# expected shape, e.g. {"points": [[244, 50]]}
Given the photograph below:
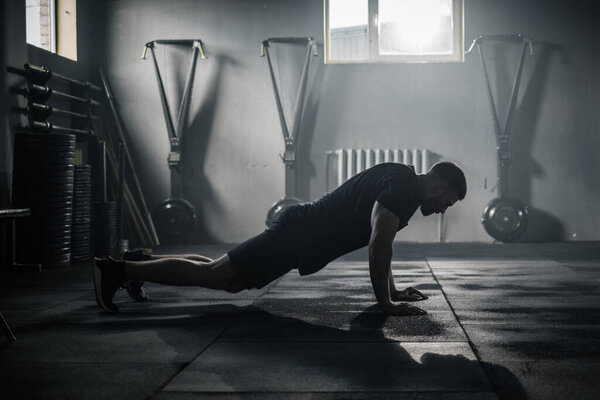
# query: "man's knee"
{"points": [[220, 274], [235, 286], [198, 258]]}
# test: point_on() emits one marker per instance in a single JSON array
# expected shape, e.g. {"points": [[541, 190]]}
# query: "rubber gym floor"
{"points": [[504, 322]]}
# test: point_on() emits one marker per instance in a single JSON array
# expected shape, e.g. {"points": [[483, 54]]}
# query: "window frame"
{"points": [[66, 46], [53, 25], [458, 39]]}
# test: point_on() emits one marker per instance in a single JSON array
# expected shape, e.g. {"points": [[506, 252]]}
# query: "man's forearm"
{"points": [[391, 283], [380, 259]]}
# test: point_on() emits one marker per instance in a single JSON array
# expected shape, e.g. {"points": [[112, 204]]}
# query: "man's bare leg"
{"points": [[217, 274], [193, 257], [109, 275], [135, 288]]}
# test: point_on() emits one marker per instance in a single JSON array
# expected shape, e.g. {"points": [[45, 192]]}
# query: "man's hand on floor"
{"points": [[408, 294]]}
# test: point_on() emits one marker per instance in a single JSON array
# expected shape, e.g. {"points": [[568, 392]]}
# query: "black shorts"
{"points": [[271, 254]]}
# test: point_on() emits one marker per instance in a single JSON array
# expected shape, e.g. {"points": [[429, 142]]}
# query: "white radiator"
{"points": [[343, 164]]}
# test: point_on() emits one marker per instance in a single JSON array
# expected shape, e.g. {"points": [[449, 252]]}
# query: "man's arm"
{"points": [[392, 285], [408, 294], [384, 224]]}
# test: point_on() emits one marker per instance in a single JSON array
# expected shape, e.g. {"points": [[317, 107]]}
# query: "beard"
{"points": [[428, 206]]}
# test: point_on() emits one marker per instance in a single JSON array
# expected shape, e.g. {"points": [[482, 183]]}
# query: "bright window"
{"points": [[371, 31], [41, 29], [52, 26]]}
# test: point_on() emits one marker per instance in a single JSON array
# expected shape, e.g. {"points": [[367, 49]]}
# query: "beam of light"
{"points": [[344, 13], [412, 26]]}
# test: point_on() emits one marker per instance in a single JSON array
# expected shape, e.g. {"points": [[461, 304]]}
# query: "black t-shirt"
{"points": [[340, 221]]}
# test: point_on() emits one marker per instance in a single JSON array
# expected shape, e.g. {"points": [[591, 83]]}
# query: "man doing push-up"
{"points": [[368, 209]]}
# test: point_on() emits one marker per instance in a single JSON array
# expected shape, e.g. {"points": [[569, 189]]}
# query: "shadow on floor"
{"points": [[367, 359]]}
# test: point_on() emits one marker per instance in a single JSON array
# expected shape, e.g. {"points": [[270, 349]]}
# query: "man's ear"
{"points": [[438, 187]]}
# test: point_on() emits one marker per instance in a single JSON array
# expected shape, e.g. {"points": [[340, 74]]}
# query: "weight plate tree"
{"points": [[82, 219], [104, 214], [105, 228], [289, 138], [504, 218], [43, 180]]}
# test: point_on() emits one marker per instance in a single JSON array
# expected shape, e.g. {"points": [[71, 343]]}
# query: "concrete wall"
{"points": [[234, 173]]}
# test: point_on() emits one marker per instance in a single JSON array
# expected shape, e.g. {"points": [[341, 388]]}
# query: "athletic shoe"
{"points": [[108, 276], [136, 255], [135, 289]]}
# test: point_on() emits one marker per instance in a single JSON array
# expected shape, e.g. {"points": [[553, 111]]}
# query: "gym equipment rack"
{"points": [[289, 137], [84, 123], [176, 217], [504, 218]]}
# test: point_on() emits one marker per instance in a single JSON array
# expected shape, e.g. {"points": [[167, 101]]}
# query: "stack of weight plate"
{"points": [[43, 180], [82, 214], [105, 228]]}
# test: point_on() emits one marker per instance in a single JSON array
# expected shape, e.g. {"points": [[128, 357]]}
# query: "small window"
{"points": [[52, 26], [376, 31], [41, 29]]}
